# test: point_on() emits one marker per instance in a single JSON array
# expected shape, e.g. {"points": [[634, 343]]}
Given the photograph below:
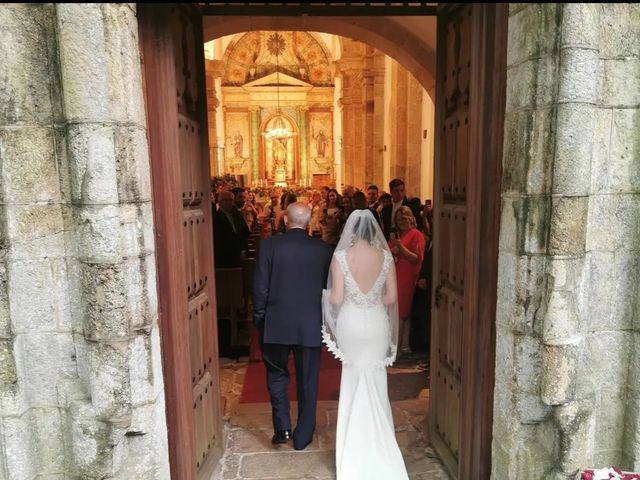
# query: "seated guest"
{"points": [[230, 233]]}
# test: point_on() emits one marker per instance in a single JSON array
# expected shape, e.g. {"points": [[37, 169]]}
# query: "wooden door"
{"points": [[173, 70], [470, 92]]}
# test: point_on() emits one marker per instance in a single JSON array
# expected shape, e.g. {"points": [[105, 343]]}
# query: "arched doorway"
{"points": [[470, 115]]}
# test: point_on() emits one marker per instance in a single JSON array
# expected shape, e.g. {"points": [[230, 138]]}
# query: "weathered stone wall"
{"points": [[568, 319], [81, 392]]}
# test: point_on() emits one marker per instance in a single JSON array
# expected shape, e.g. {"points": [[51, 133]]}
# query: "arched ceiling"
{"points": [[255, 55], [410, 42]]}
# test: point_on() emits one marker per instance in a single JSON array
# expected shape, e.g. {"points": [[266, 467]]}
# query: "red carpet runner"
{"points": [[254, 389]]}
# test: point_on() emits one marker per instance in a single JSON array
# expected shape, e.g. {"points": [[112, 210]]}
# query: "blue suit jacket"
{"points": [[290, 273]]}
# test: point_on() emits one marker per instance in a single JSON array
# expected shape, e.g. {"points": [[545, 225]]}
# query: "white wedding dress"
{"points": [[360, 332]]}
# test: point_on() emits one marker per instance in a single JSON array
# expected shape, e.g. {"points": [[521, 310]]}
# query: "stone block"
{"points": [[141, 453], [631, 439], [42, 359], [92, 162], [576, 421], [559, 364], [39, 295], [133, 167], [608, 457], [97, 232], [604, 362], [8, 375], [578, 75], [529, 139], [565, 273], [506, 311], [567, 232], [47, 448], [581, 25], [601, 170], [90, 446], [619, 84], [623, 172], [505, 357], [123, 63], [532, 84], [15, 436], [633, 380], [530, 409], [613, 223], [288, 465], [531, 215], [106, 302], [109, 380], [5, 314], [140, 370], [573, 149], [28, 88], [62, 162], [83, 61], [561, 320], [619, 30], [28, 171], [521, 293], [533, 32], [612, 291], [35, 231], [136, 229], [528, 364], [610, 418]]}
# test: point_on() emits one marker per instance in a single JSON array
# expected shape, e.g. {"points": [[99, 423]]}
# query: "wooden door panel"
{"points": [[469, 116], [171, 46]]}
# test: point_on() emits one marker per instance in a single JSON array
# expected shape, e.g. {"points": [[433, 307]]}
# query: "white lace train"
{"points": [[366, 446]]}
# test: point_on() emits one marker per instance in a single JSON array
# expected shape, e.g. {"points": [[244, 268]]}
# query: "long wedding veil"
{"points": [[360, 238]]}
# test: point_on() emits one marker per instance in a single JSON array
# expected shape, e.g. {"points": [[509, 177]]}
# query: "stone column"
{"points": [[112, 263], [214, 70], [353, 121], [255, 143], [304, 157], [566, 389], [337, 133]]}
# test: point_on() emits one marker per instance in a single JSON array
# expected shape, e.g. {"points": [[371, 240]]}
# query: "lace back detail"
{"points": [[353, 294]]}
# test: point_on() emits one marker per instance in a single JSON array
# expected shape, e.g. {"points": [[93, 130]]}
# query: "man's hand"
{"points": [[422, 284]]}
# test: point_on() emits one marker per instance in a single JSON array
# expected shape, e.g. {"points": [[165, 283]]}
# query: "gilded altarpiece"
{"points": [[279, 156]]}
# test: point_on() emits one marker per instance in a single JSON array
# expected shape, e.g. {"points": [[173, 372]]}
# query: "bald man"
{"points": [[290, 274]]}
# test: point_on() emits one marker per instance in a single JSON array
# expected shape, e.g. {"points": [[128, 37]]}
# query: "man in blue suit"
{"points": [[290, 273]]}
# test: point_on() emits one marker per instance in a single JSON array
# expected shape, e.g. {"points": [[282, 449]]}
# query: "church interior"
{"points": [[300, 112]]}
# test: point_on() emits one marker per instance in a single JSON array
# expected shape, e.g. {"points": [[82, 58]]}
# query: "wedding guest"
{"points": [[408, 251]]}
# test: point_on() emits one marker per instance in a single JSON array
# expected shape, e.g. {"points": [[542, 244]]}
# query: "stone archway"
{"points": [[389, 35]]}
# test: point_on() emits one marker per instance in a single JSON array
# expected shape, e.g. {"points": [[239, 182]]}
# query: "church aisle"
{"points": [[250, 455]]}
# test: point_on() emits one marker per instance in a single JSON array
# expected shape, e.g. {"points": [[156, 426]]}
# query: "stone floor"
{"points": [[249, 453]]}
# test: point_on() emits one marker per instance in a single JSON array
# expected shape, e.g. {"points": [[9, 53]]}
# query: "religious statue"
{"points": [[237, 145], [279, 151], [321, 143]]}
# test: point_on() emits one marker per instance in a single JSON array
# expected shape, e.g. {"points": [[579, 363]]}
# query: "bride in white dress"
{"points": [[360, 327]]}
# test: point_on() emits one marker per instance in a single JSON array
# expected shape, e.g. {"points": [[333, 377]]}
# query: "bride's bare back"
{"points": [[365, 264]]}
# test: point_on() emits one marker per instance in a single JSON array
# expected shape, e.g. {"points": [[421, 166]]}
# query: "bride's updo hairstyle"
{"points": [[364, 227]]}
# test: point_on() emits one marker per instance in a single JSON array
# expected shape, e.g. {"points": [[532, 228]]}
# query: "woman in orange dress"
{"points": [[408, 251]]}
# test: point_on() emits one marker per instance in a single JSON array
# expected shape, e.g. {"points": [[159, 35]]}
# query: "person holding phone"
{"points": [[408, 252]]}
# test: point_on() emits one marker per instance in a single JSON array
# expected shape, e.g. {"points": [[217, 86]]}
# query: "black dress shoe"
{"points": [[283, 436]]}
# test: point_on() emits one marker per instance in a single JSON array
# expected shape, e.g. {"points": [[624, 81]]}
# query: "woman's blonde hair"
{"points": [[406, 213]]}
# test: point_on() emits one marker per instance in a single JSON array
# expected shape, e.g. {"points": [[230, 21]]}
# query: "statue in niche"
{"points": [[237, 145], [279, 152], [321, 143]]}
